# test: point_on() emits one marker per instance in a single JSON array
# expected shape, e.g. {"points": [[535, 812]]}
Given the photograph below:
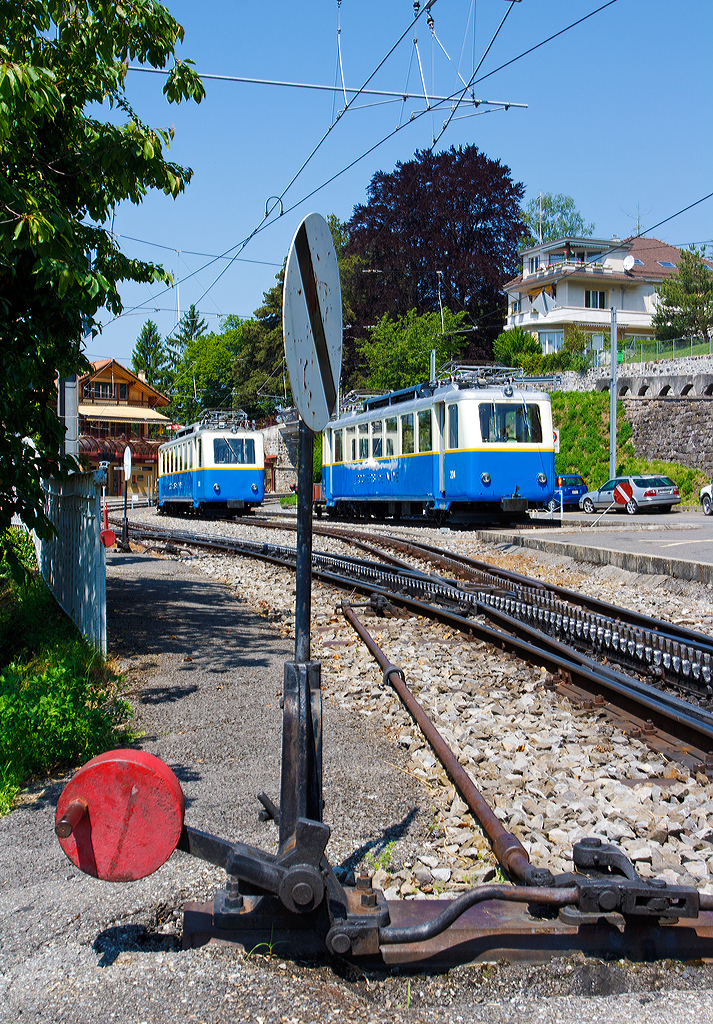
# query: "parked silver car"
{"points": [[635, 492]]}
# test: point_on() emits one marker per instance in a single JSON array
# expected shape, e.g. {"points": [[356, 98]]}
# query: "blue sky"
{"points": [[619, 116]]}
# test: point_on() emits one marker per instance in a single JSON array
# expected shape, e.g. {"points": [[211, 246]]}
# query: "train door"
{"points": [[454, 481], [440, 483]]}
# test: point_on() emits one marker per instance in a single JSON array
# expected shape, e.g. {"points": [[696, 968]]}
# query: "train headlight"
{"points": [[485, 479], [542, 478], [216, 488], [253, 488]]}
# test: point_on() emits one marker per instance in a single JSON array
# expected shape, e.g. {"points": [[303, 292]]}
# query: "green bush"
{"points": [[50, 719], [59, 701], [18, 554], [582, 419]]}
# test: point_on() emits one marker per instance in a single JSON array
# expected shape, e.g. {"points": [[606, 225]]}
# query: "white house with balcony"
{"points": [[577, 281]]}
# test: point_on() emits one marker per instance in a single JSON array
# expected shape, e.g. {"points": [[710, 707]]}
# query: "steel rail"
{"points": [[695, 729], [474, 569], [640, 641], [691, 724]]}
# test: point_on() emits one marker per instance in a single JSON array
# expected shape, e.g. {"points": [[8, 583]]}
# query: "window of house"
{"points": [[424, 431], [407, 434], [392, 435], [551, 341], [337, 434], [534, 264], [639, 263], [594, 257], [515, 306], [666, 263], [595, 300], [453, 426]]}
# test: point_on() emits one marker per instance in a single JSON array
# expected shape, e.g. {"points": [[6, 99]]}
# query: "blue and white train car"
{"points": [[213, 467], [464, 450]]}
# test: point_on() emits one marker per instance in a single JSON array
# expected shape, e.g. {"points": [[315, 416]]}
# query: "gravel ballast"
{"points": [[202, 642]]}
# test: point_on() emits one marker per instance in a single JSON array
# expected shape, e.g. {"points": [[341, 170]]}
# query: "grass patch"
{"points": [[288, 500], [59, 700], [583, 421]]}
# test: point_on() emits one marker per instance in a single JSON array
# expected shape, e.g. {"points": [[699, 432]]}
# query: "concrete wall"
{"points": [[673, 429]]}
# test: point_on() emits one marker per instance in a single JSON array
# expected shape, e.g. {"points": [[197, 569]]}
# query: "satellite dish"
{"points": [[628, 263]]}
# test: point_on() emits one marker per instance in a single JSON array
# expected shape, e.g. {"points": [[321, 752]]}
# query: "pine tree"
{"points": [[686, 299], [150, 355]]}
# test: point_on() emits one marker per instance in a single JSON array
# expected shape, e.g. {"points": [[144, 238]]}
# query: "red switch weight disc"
{"points": [[121, 816]]}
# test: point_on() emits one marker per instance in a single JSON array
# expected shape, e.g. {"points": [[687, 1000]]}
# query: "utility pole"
{"points": [[439, 274], [612, 396]]}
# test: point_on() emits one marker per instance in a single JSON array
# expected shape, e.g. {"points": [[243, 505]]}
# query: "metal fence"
{"points": [[73, 563]]}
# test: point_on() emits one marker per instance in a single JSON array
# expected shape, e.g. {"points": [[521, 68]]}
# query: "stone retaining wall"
{"points": [[673, 429]]}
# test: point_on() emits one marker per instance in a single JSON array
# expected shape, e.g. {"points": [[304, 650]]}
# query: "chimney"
{"points": [[141, 374]]}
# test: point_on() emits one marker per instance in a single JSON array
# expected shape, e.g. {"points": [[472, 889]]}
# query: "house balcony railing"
{"points": [[570, 266]]}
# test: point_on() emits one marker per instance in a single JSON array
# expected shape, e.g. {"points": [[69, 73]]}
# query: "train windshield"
{"points": [[501, 421], [233, 451]]}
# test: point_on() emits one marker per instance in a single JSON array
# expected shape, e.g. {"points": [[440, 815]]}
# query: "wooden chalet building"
{"points": [[118, 408]]}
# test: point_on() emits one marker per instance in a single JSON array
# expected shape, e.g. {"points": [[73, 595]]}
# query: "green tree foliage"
{"points": [[150, 355], [71, 149], [550, 216], [190, 327], [398, 353], [511, 346], [203, 378], [453, 215], [686, 299], [260, 376]]}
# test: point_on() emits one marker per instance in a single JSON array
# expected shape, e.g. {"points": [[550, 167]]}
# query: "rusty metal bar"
{"points": [[508, 849], [389, 935], [71, 818]]}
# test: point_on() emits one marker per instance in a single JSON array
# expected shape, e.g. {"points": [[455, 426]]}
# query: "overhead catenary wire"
{"points": [[263, 225]]}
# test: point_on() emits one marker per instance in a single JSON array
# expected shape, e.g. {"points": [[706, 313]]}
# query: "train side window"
{"points": [[377, 442], [533, 412], [363, 440], [351, 444], [338, 446], [200, 453], [407, 434], [392, 435], [424, 431], [453, 426]]}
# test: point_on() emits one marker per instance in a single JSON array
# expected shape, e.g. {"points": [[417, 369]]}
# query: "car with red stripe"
{"points": [[633, 493]]}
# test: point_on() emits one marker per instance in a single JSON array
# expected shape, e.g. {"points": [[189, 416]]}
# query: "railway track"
{"points": [[528, 624]]}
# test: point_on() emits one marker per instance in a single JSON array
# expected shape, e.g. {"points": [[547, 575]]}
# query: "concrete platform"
{"points": [[678, 544]]}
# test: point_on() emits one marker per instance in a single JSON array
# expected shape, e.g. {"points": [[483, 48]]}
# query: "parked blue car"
{"points": [[568, 490]]}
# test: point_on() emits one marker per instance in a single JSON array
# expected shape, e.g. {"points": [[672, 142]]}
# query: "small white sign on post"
{"points": [[312, 321], [127, 464], [556, 441]]}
